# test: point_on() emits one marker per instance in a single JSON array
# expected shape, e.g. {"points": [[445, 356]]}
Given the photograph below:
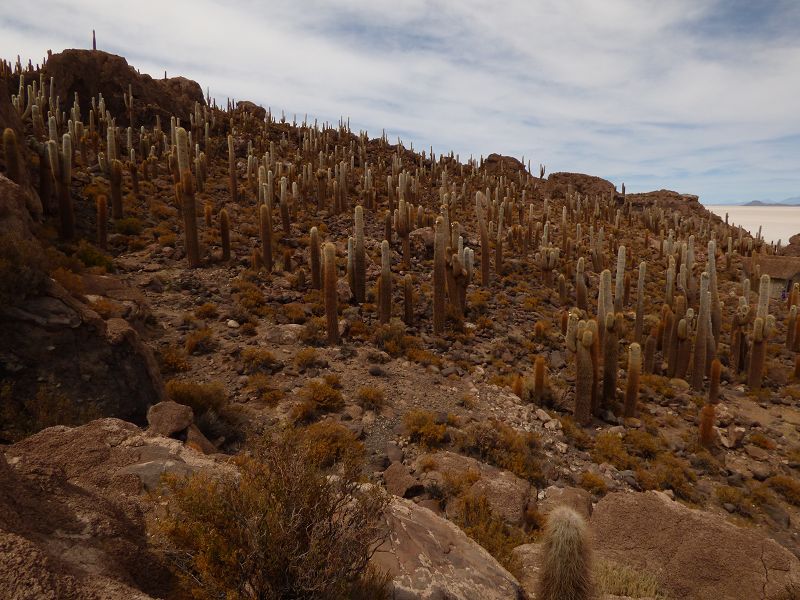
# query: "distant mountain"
{"points": [[793, 201]]}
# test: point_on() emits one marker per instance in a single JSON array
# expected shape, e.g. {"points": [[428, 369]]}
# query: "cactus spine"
{"points": [[330, 293], [567, 560], [632, 383], [439, 275]]}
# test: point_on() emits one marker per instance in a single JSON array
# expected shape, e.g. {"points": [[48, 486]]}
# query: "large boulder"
{"points": [[694, 555], [577, 499], [92, 72], [72, 521], [429, 558], [168, 418]]}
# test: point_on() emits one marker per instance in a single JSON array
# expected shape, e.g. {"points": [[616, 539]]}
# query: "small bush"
{"points": [[280, 529], [173, 359], [608, 448], [762, 441], [331, 443], [200, 341], [261, 385], [669, 472], [91, 256], [206, 311], [306, 358], [370, 398], [21, 417], [642, 444], [314, 332], [593, 483], [259, 360], [128, 226], [72, 282], [322, 396], [786, 486], [575, 434], [503, 446], [423, 428], [201, 397]]}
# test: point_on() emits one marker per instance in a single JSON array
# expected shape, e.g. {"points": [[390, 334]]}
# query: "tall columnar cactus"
{"points": [[225, 234], [671, 350], [498, 244], [707, 418], [408, 300], [116, 190], [701, 337], [403, 227], [538, 379], [385, 285], [791, 324], [102, 222], [741, 319], [186, 194], [232, 186], [580, 285], [716, 308], [439, 275], [314, 259], [265, 223], [66, 214], [650, 344], [566, 569], [286, 223], [619, 292], [11, 154], [762, 329], [764, 285], [640, 302], [632, 383], [613, 326], [605, 303], [584, 377], [484, 233], [330, 292], [359, 258], [713, 382]]}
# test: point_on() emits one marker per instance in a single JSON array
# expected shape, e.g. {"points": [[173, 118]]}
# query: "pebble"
{"points": [[233, 324]]}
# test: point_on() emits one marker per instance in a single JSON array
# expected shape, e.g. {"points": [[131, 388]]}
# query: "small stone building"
{"points": [[784, 271]]}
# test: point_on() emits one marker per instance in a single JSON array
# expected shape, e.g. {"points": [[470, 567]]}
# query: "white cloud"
{"points": [[658, 94]]}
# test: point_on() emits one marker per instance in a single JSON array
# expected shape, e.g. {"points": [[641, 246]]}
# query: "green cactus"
{"points": [[566, 567]]}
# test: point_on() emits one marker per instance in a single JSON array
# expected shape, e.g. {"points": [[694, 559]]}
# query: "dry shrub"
{"points": [[280, 529], [201, 397], [762, 441], [575, 434], [475, 517], [206, 311], [249, 296], [91, 256], [72, 282], [173, 359], [608, 448], [786, 486], [200, 341], [306, 358], [317, 397], [259, 360], [643, 444], [260, 383], [503, 446], [727, 494], [370, 398], [314, 332], [21, 417], [128, 226], [622, 580], [594, 483], [669, 472], [423, 428], [331, 443]]}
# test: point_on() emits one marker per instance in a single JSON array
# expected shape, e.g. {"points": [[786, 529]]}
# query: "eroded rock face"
{"points": [[432, 559], [56, 340], [558, 184], [693, 554], [92, 72], [167, 418], [71, 516]]}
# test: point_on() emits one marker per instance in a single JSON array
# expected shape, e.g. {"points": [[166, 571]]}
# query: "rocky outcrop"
{"points": [[71, 516], [558, 184], [693, 554], [167, 418], [92, 72], [430, 558]]}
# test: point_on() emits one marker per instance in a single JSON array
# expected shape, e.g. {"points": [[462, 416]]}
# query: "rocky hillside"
{"points": [[491, 343]]}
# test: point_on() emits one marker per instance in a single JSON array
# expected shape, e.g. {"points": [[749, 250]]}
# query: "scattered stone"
{"points": [[168, 418]]}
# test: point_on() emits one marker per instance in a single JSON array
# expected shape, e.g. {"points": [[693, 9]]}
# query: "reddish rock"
{"points": [[168, 418], [400, 482], [577, 499]]}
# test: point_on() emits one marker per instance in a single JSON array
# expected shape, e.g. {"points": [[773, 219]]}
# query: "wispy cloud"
{"points": [[698, 96]]}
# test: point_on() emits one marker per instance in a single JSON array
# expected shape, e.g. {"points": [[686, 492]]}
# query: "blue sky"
{"points": [[697, 96]]}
